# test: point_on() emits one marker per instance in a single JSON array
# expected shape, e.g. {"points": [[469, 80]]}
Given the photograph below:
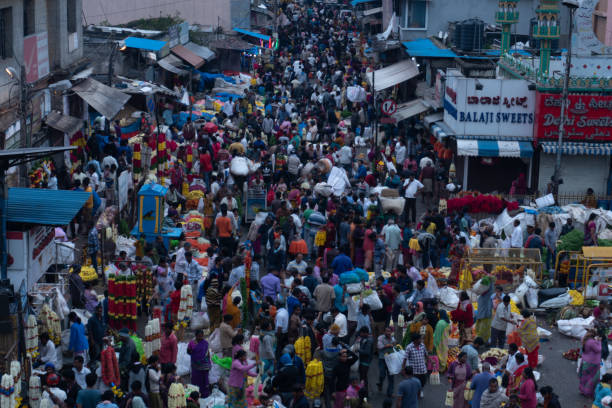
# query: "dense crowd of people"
{"points": [[300, 250]]}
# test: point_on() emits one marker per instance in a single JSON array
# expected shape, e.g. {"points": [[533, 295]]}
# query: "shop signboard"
{"points": [[41, 252], [36, 56], [494, 108], [589, 117]]}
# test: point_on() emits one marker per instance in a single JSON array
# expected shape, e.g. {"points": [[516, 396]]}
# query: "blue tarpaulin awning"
{"points": [[44, 207], [252, 34], [144, 43], [493, 148], [356, 2], [426, 48], [578, 148]]}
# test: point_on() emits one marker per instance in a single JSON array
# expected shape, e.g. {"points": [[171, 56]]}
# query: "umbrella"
{"points": [[210, 127]]}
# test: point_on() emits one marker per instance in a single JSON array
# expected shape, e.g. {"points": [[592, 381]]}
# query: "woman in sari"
{"points": [[528, 331], [459, 373], [514, 382], [237, 379], [456, 253], [440, 339], [464, 316], [200, 362], [589, 369], [421, 326]]}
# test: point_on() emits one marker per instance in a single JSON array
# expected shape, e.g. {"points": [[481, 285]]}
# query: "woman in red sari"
{"points": [[464, 317]]}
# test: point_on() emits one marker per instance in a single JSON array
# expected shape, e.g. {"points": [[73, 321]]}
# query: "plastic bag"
{"points": [[348, 277], [575, 327], [481, 286], [214, 342], [353, 288], [199, 320], [532, 298], [239, 166], [530, 282], [183, 360], [373, 301], [543, 332], [361, 274], [448, 297], [558, 302], [395, 360], [520, 293], [432, 286], [215, 400], [323, 189], [450, 398]]}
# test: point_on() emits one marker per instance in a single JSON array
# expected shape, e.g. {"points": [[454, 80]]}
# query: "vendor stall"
{"points": [[151, 215], [507, 264], [31, 214]]}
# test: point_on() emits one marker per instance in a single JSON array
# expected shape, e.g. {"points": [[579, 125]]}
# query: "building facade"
{"points": [[227, 14], [44, 38]]}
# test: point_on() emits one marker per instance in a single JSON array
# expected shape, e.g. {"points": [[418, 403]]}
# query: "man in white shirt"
{"points": [[341, 322], [345, 157], [228, 108], [298, 264], [80, 371], [281, 320], [516, 241], [400, 153], [411, 188], [500, 322], [48, 354], [180, 265]]}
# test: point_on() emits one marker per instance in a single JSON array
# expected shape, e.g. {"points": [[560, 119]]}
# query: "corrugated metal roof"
{"points": [[45, 207], [172, 64], [144, 43], [106, 100], [200, 51], [187, 56], [63, 123]]}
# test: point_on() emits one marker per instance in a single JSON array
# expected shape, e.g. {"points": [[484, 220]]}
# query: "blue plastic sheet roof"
{"points": [[252, 34], [44, 207], [497, 53], [153, 189], [144, 43], [356, 2], [426, 48]]}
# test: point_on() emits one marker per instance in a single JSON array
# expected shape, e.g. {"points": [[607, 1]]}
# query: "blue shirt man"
{"points": [[480, 383], [408, 390]]}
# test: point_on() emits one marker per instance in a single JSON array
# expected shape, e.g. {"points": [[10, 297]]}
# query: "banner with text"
{"points": [[589, 117]]}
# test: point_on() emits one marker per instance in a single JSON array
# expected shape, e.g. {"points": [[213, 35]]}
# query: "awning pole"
{"points": [[3, 237], [466, 160]]}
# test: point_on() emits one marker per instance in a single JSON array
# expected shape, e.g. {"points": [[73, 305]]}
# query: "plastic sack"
{"points": [[481, 287], [62, 305], [395, 360], [543, 332], [394, 205], [316, 218], [432, 286], [199, 320], [323, 189], [338, 180], [362, 274], [215, 400], [239, 166], [545, 201], [576, 327], [214, 342], [532, 298], [183, 360], [520, 293], [65, 252], [448, 297], [373, 301], [353, 288], [530, 282], [558, 302], [348, 277]]}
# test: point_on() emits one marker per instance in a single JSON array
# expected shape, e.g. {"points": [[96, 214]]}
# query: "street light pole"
{"points": [[572, 6]]}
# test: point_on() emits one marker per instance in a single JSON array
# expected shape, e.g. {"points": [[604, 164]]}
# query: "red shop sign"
{"points": [[589, 117]]}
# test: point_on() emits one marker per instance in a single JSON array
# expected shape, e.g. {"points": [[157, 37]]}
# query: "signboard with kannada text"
{"points": [[589, 117]]}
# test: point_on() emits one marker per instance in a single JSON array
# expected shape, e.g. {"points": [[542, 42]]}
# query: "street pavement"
{"points": [[555, 371]]}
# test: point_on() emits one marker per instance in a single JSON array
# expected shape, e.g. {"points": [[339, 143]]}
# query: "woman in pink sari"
{"points": [[200, 362], [588, 372]]}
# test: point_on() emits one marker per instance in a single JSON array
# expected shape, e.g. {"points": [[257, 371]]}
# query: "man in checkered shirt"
{"points": [[416, 357]]}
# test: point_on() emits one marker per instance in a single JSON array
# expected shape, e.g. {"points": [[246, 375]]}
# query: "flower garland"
{"points": [[31, 337], [176, 396], [122, 306], [16, 373], [152, 337], [186, 305], [7, 392], [38, 175], [144, 287], [116, 391], [477, 203], [51, 324], [34, 391]]}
